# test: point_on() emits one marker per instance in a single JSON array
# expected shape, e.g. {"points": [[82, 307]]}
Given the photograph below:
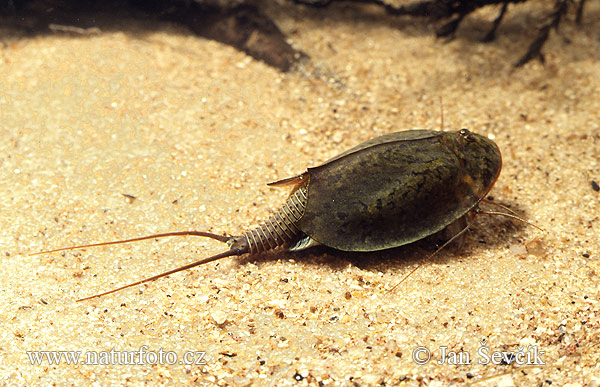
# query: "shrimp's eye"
{"points": [[467, 135]]}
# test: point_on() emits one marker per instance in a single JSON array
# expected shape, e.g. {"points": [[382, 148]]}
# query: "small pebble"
{"points": [[337, 137], [219, 317]]}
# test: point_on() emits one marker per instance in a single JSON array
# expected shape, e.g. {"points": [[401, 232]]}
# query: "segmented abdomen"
{"points": [[280, 228]]}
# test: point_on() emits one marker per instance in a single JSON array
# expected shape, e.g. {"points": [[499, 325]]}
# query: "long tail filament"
{"points": [[235, 249]]}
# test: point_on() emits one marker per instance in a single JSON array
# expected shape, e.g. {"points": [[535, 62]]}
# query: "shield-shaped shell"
{"points": [[395, 189]]}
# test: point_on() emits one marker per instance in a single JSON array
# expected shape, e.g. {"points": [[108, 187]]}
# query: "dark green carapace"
{"points": [[384, 193], [397, 188]]}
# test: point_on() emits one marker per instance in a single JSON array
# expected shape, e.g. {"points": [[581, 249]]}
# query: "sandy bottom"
{"points": [[194, 130]]}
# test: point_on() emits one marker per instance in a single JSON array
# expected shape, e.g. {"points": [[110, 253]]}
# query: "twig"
{"points": [[491, 35], [560, 8]]}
